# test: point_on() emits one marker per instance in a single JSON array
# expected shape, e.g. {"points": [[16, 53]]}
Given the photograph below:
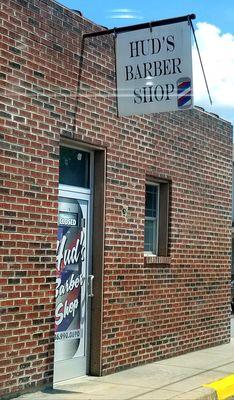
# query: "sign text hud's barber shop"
{"points": [[154, 69]]}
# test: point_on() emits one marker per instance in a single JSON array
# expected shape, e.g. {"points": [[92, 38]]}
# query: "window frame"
{"points": [[155, 245], [161, 247]]}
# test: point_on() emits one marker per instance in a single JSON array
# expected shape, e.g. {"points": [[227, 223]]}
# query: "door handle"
{"points": [[90, 285]]}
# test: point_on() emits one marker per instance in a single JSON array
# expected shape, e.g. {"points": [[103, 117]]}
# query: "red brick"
{"points": [[162, 306]]}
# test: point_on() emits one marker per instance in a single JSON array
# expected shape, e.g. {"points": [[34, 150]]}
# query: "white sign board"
{"points": [[154, 69]]}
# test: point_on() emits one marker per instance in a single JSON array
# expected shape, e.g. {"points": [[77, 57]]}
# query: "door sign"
{"points": [[70, 280]]}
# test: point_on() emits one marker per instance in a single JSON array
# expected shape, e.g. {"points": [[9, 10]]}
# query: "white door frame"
{"points": [[86, 195]]}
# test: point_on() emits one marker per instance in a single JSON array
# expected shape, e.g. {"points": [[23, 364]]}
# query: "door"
{"points": [[73, 281]]}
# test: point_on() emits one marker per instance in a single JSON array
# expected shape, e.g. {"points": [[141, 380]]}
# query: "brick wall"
{"points": [[152, 308]]}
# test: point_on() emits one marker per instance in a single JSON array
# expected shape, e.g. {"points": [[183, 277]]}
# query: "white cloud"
{"points": [[217, 53], [124, 13], [124, 10], [124, 16]]}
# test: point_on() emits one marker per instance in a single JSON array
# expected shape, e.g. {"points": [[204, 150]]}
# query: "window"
{"points": [[74, 167], [156, 218], [151, 218]]}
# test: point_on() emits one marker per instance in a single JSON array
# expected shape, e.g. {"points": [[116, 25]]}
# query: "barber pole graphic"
{"points": [[69, 280], [184, 93]]}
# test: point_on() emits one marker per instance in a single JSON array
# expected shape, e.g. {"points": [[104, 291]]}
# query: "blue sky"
{"points": [[215, 34], [217, 12]]}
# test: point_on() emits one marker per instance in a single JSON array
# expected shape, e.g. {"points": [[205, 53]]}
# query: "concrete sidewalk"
{"points": [[179, 378]]}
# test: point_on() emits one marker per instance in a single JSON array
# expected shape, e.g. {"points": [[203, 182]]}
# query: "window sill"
{"points": [[151, 259]]}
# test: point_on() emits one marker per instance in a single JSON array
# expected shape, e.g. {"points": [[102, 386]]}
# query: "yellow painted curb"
{"points": [[224, 387]]}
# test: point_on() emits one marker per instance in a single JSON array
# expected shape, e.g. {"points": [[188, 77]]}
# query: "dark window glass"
{"points": [[151, 218], [151, 201], [74, 167]]}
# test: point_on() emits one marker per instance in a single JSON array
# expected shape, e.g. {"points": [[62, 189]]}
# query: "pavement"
{"points": [[177, 378]]}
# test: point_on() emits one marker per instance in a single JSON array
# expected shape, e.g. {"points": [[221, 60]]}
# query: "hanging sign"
{"points": [[154, 69]]}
